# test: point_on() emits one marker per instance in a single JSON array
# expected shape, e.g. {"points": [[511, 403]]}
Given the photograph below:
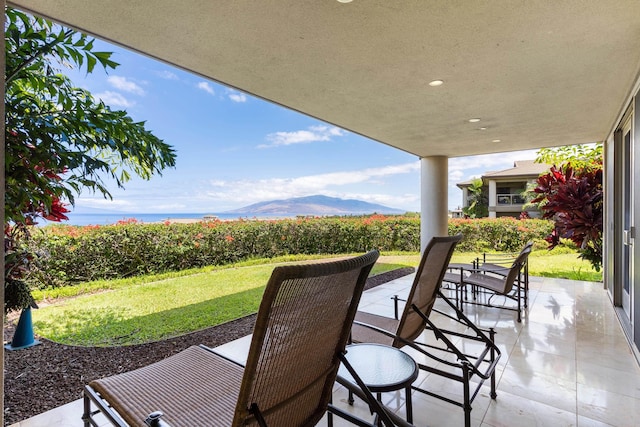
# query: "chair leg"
{"points": [[492, 334], [519, 297], [466, 405], [86, 415], [408, 404], [526, 285]]}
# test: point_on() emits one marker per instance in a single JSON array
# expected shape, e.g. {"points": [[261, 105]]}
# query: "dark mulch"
{"points": [[49, 375]]}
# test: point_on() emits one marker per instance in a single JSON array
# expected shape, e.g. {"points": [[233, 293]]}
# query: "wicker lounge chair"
{"points": [[408, 330], [298, 342], [492, 276]]}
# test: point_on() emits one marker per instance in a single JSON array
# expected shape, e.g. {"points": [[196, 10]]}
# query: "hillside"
{"points": [[315, 205]]}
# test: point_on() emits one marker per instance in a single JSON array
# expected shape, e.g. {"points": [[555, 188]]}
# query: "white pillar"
{"points": [[434, 178], [493, 199]]}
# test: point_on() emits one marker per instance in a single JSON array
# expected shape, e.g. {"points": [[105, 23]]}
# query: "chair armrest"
{"points": [[154, 420]]}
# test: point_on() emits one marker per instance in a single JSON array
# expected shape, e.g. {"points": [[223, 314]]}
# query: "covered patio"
{"points": [[443, 79], [567, 364]]}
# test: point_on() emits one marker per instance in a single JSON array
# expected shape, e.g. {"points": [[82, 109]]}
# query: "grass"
{"points": [[155, 307], [151, 308], [541, 263]]}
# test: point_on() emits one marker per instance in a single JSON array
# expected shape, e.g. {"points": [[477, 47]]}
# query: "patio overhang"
{"points": [[537, 74]]}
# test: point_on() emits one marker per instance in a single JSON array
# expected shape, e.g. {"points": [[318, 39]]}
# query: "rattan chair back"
{"points": [[303, 323], [302, 328]]}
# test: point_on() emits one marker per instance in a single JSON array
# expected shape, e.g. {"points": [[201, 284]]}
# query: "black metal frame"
{"points": [[489, 261], [481, 365], [491, 264]]}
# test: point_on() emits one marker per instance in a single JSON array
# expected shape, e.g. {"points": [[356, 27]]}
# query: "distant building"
{"points": [[505, 188], [456, 213]]}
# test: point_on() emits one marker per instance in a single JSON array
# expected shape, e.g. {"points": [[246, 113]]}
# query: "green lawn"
{"points": [[151, 308]]}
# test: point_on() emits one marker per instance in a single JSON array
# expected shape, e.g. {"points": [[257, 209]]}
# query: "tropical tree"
{"points": [[477, 200], [60, 140], [571, 194]]}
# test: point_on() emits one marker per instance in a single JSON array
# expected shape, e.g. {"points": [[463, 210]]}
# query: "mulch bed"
{"points": [[49, 375]]}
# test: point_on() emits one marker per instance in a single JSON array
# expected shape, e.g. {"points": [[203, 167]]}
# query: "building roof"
{"points": [[522, 169]]}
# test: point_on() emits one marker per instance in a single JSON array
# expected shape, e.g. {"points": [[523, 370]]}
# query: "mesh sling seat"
{"points": [[506, 276], [461, 366], [298, 342]]}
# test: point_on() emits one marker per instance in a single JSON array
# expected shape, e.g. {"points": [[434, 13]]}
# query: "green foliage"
{"points": [[478, 200], [59, 140], [70, 254], [572, 195], [581, 156], [498, 234]]}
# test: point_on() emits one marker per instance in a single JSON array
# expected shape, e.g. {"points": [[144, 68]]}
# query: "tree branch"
{"points": [[46, 48]]}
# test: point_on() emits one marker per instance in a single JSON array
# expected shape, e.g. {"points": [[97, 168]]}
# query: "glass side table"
{"points": [[382, 368]]}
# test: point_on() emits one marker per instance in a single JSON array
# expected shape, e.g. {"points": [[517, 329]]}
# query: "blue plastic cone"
{"points": [[23, 336]]}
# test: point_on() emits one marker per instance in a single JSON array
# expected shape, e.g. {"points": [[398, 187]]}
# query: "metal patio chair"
{"points": [[407, 331], [298, 343], [495, 275]]}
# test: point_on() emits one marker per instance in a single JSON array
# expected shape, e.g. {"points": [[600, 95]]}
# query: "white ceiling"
{"points": [[537, 73]]}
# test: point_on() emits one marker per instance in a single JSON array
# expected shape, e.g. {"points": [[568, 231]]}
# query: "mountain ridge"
{"points": [[315, 205]]}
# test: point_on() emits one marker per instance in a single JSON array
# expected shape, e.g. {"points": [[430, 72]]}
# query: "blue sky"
{"points": [[234, 149]]}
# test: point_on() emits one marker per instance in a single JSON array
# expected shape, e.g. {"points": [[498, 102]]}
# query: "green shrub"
{"points": [[71, 254], [498, 234]]}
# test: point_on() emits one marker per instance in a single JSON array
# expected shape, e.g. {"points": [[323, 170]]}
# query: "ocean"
{"points": [[112, 218]]}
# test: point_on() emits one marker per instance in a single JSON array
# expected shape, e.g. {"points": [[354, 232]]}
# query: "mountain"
{"points": [[315, 205]]}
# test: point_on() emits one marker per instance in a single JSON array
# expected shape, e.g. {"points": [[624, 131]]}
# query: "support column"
{"points": [[434, 176], [493, 199]]}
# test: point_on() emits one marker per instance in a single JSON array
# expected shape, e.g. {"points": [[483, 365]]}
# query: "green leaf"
{"points": [[91, 62]]}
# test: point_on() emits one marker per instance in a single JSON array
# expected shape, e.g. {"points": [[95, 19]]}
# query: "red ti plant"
{"points": [[573, 198]]}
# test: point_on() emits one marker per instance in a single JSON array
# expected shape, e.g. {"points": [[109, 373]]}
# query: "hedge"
{"points": [[70, 254]]}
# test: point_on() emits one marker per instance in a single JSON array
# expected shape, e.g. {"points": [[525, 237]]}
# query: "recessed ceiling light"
{"points": [[476, 120], [345, 1], [482, 128], [496, 140], [435, 83]]}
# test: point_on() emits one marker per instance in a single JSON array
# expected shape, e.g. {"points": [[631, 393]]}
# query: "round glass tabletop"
{"points": [[381, 367]]}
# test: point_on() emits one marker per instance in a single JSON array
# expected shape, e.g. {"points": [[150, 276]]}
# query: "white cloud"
{"points": [[253, 191], [314, 134], [121, 83], [455, 176], [167, 75], [114, 99], [237, 96], [490, 162], [102, 203], [389, 200], [205, 86]]}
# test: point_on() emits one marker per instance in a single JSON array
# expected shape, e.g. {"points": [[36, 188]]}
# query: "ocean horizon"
{"points": [[113, 218]]}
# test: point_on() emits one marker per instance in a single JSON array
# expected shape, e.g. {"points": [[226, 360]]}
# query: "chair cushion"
{"points": [[193, 388], [361, 333], [489, 282]]}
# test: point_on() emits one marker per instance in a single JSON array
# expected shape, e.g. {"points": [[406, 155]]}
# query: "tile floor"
{"points": [[566, 364]]}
